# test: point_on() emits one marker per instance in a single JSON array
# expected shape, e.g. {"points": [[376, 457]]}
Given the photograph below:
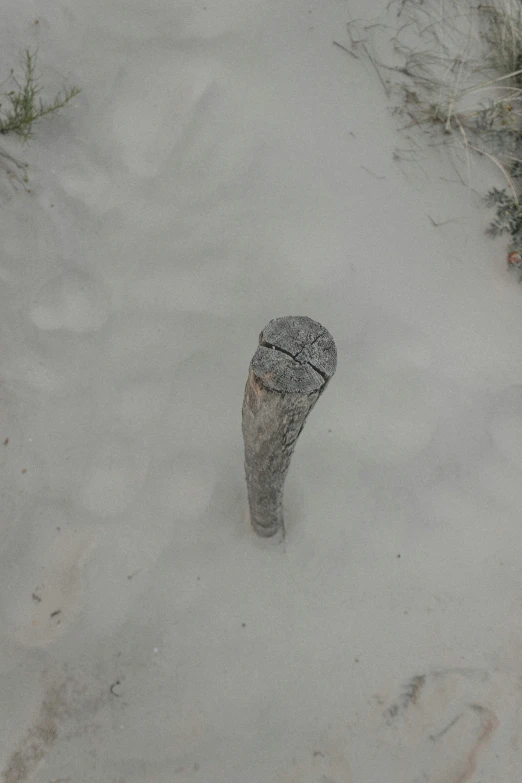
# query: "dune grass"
{"points": [[456, 68]]}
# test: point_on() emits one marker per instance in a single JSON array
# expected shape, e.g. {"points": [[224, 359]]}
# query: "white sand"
{"points": [[225, 164]]}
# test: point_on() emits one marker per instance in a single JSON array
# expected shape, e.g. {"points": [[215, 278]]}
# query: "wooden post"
{"points": [[291, 368]]}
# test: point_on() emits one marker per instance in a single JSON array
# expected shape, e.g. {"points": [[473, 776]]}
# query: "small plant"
{"points": [[23, 108], [508, 220], [24, 105]]}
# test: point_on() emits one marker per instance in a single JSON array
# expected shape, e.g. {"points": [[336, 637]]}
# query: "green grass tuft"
{"points": [[25, 106]]}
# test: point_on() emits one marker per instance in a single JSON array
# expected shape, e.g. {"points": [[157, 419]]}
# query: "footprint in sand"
{"points": [[67, 710], [41, 586], [71, 301], [171, 87], [440, 726]]}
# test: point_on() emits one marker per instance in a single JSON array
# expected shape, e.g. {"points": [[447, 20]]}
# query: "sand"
{"points": [[223, 165]]}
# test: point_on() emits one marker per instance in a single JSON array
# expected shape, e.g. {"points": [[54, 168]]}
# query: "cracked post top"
{"points": [[296, 355]]}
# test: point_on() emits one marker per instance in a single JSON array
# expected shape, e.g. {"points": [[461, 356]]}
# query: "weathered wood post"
{"points": [[291, 368]]}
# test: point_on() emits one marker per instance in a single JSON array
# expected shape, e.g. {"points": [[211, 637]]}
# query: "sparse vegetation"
{"points": [[456, 68], [22, 107]]}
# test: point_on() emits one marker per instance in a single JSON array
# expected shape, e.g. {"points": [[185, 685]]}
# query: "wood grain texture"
{"points": [[290, 370]]}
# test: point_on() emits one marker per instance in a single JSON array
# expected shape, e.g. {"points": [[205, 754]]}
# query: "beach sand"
{"points": [[223, 165]]}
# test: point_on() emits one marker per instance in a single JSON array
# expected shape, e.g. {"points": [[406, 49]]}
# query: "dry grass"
{"points": [[455, 68]]}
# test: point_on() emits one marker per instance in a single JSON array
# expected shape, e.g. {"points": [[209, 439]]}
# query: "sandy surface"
{"points": [[225, 164]]}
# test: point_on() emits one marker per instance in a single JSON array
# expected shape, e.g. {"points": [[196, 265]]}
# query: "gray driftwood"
{"points": [[291, 368]]}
